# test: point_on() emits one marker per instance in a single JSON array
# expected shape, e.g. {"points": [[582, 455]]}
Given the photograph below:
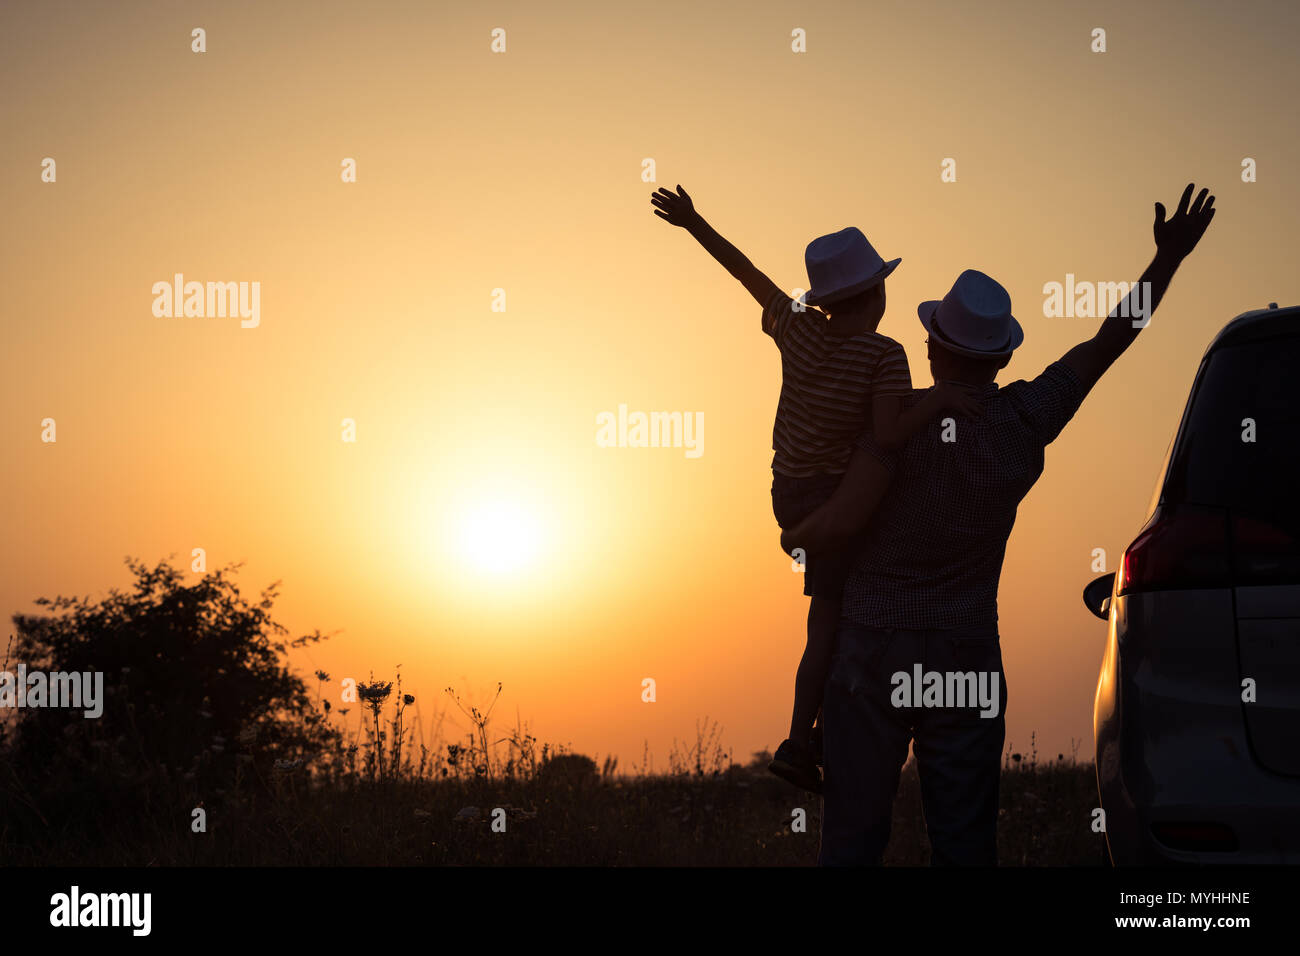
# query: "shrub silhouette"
{"points": [[193, 676], [572, 770]]}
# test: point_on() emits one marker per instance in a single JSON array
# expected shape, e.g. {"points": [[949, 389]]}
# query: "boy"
{"points": [[838, 376]]}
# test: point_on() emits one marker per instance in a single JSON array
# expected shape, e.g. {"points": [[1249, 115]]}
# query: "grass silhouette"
{"points": [[204, 715]]}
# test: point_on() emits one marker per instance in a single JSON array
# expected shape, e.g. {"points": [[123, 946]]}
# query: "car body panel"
{"points": [[1182, 748]]}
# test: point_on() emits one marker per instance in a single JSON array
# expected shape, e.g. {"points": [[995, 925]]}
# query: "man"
{"points": [[922, 595]]}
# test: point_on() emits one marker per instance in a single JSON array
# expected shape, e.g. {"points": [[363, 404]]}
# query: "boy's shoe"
{"points": [[815, 744], [794, 763]]}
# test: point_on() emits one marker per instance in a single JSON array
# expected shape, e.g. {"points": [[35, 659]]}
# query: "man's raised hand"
{"points": [[676, 207], [1178, 235]]}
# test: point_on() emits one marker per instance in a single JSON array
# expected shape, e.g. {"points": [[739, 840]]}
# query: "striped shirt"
{"points": [[827, 384], [931, 558]]}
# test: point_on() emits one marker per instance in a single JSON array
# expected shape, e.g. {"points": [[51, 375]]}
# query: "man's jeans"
{"points": [[958, 752]]}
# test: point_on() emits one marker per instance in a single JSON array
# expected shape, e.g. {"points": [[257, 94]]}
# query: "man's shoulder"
{"points": [[1047, 403], [1057, 377]]}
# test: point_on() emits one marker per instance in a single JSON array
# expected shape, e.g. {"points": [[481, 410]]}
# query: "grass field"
{"points": [[567, 814], [211, 751]]}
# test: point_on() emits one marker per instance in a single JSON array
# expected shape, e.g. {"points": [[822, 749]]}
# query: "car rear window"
{"points": [[1215, 463]]}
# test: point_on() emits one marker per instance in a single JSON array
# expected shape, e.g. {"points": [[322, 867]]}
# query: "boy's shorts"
{"points": [[794, 499]]}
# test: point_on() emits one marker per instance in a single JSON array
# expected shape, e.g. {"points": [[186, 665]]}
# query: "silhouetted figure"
{"points": [[922, 592], [838, 377]]}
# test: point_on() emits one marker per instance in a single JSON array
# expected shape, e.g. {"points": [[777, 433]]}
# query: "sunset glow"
{"points": [[499, 536], [493, 282]]}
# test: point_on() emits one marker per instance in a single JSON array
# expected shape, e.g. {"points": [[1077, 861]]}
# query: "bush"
{"points": [[570, 770], [195, 692]]}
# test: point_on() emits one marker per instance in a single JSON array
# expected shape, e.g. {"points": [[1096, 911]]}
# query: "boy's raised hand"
{"points": [[676, 207], [1178, 235]]}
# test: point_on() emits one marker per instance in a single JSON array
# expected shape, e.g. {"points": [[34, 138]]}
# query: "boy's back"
{"points": [[828, 381]]}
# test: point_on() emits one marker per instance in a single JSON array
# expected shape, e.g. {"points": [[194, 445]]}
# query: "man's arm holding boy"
{"points": [[847, 511]]}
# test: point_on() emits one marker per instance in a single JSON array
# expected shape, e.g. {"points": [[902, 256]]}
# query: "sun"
{"points": [[498, 536]]}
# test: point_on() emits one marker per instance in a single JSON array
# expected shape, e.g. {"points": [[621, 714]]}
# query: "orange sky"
{"points": [[522, 171]]}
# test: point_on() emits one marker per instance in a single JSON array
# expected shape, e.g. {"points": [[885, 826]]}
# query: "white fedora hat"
{"points": [[843, 264], [974, 318]]}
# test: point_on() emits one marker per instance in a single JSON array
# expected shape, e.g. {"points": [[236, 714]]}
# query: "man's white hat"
{"points": [[974, 318]]}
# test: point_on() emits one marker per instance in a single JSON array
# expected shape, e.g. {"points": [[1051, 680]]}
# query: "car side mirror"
{"points": [[1096, 596]]}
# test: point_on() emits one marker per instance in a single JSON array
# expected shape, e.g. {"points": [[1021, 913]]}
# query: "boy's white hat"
{"points": [[974, 318], [843, 264]]}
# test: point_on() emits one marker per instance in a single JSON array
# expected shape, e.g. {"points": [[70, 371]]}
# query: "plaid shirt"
{"points": [[932, 554]]}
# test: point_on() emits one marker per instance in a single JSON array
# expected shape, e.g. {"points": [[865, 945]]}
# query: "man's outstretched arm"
{"points": [[677, 209], [1175, 239], [848, 510]]}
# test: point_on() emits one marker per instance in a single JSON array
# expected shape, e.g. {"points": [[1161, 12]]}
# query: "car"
{"points": [[1197, 710]]}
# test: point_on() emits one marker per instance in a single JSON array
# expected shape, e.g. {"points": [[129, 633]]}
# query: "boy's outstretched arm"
{"points": [[1175, 239], [678, 210]]}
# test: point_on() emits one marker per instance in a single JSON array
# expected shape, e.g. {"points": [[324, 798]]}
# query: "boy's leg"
{"points": [[810, 679]]}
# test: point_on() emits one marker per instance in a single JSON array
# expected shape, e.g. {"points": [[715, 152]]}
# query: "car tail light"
{"points": [[1182, 547]]}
